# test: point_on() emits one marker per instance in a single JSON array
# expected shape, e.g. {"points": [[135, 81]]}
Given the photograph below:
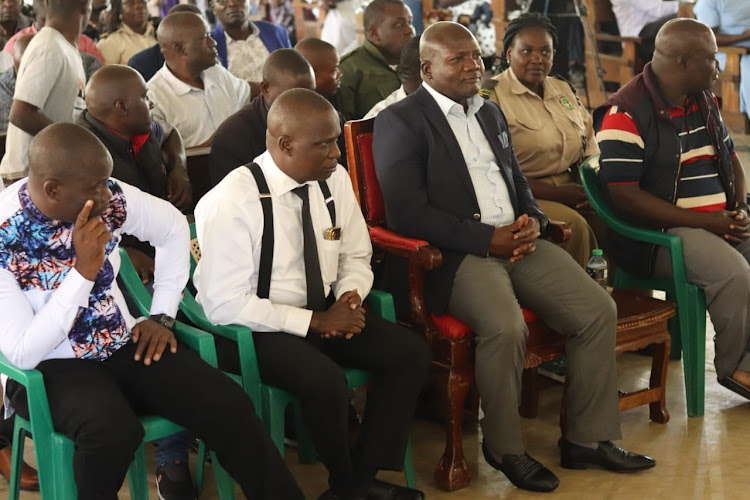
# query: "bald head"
{"points": [[439, 36], [185, 7], [325, 63], [20, 47], [178, 28], [313, 47], [116, 95], [68, 165], [302, 131], [685, 57], [296, 110], [680, 37], [283, 63]]}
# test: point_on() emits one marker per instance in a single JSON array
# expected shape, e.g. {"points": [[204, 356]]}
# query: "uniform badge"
{"points": [[566, 103]]}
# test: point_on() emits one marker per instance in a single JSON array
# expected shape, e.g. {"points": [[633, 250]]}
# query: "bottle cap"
{"points": [[597, 252]]}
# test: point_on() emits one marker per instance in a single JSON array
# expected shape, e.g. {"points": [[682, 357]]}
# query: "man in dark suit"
{"points": [[449, 176]]}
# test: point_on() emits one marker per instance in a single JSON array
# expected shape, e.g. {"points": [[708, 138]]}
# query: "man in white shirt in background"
{"points": [[633, 15], [64, 315], [192, 92], [50, 83], [306, 311]]}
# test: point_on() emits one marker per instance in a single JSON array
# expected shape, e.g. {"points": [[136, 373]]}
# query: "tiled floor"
{"points": [[698, 458]]}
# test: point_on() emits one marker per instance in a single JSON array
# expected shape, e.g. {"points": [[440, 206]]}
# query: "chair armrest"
{"points": [[588, 171], [242, 335], [381, 304], [36, 394], [734, 50], [558, 232], [134, 284], [198, 340], [421, 257], [603, 37]]}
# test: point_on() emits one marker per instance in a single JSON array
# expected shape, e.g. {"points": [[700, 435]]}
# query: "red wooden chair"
{"points": [[452, 341]]}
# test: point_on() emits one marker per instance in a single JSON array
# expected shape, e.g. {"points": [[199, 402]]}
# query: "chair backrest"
{"points": [[362, 170], [589, 171], [197, 167]]}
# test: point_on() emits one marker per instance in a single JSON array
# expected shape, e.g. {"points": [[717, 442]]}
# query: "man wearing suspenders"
{"points": [[286, 252]]}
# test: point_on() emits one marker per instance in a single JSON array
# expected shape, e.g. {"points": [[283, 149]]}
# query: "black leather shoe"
{"points": [[607, 456], [380, 490], [523, 471], [329, 495]]}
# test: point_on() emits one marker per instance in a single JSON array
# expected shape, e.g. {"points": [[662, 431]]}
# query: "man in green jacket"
{"points": [[369, 72]]}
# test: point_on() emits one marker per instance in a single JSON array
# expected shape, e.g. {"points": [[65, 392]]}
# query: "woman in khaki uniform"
{"points": [[552, 132]]}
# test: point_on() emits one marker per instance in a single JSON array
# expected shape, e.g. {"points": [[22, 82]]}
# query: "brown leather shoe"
{"points": [[29, 478]]}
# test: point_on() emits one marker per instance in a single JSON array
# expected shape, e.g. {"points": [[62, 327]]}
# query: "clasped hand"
{"points": [[733, 226], [345, 318], [517, 240]]}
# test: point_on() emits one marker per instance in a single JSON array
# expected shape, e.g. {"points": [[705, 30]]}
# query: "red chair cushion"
{"points": [[452, 328], [375, 209]]}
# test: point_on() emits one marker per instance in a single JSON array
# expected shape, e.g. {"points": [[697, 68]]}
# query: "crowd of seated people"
{"points": [[96, 160]]}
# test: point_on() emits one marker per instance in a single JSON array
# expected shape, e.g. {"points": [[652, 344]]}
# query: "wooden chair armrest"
{"points": [[603, 37], [421, 257], [734, 50], [558, 232]]}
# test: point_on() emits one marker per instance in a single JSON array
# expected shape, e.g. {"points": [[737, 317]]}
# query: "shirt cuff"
{"points": [[166, 302], [74, 290], [297, 321]]}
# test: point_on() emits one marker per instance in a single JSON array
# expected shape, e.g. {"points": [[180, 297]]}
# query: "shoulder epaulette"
{"points": [[487, 87]]}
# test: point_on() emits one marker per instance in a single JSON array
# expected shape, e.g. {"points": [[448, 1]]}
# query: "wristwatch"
{"points": [[164, 320]]}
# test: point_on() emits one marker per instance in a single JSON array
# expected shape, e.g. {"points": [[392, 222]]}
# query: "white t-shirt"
{"points": [[51, 77], [196, 113]]}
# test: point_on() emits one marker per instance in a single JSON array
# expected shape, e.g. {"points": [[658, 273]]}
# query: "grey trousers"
{"points": [[723, 272], [486, 295]]}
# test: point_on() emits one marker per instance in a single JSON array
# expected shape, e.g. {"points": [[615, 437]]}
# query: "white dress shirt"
{"points": [[196, 113], [633, 15], [229, 222], [395, 96], [492, 193], [36, 319]]}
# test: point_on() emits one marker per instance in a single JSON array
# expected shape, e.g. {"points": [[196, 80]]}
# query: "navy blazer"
{"points": [[427, 189]]}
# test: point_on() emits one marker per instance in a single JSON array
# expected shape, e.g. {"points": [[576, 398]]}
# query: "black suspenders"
{"points": [[267, 241]]}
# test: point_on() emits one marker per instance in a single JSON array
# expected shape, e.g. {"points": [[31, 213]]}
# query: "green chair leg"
{"points": [[19, 439], [224, 482], [409, 473], [138, 475], [200, 468], [695, 353], [273, 418]]}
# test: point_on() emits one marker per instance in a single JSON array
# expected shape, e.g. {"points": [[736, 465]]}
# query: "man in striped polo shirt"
{"points": [[668, 163]]}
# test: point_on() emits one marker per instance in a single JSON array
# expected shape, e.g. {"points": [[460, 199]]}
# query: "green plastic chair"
{"points": [[54, 451], [688, 328], [142, 299], [271, 402]]}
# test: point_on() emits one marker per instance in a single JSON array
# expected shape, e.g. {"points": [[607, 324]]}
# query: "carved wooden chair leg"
{"points": [[529, 393], [452, 472], [658, 409]]}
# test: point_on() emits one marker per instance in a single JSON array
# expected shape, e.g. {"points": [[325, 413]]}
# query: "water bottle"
{"points": [[597, 267]]}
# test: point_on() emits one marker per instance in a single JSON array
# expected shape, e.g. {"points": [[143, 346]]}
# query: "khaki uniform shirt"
{"points": [[120, 46], [548, 133], [366, 79]]}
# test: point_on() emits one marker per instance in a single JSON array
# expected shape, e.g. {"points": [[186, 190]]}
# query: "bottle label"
{"points": [[599, 275]]}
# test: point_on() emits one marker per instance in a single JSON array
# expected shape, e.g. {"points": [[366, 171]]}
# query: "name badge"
{"points": [[333, 234]]}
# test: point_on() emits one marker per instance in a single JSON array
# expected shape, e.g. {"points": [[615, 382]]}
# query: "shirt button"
{"points": [[477, 216]]}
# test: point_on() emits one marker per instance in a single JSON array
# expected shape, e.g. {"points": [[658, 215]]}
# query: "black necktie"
{"points": [[316, 299]]}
